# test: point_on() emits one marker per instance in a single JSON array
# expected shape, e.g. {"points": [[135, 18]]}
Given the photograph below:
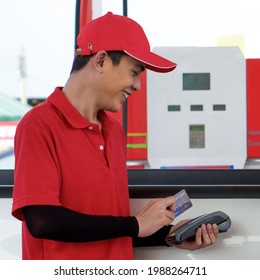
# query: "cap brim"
{"points": [[153, 61]]}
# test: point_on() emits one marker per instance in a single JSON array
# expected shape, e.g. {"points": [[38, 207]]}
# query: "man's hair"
{"points": [[80, 61]]}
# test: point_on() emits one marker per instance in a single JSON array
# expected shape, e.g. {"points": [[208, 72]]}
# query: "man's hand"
{"points": [[205, 235], [155, 215]]}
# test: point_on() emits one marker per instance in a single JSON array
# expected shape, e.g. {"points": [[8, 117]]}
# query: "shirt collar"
{"points": [[71, 114]]}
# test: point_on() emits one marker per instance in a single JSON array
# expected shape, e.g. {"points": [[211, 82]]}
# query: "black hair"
{"points": [[80, 61]]}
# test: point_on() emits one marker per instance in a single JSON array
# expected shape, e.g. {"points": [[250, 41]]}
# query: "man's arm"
{"points": [[62, 224]]}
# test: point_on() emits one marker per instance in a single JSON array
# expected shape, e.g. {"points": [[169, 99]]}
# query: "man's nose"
{"points": [[137, 84]]}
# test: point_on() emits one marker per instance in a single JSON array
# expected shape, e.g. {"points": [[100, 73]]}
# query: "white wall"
{"points": [[10, 232]]}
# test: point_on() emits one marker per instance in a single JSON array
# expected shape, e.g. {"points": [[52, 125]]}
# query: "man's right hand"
{"points": [[156, 214]]}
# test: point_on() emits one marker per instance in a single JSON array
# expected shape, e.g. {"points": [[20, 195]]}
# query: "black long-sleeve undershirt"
{"points": [[62, 224]]}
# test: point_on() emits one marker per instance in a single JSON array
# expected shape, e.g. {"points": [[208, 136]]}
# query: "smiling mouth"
{"points": [[125, 94]]}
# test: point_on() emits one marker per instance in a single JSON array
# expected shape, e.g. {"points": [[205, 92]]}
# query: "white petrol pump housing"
{"points": [[197, 113]]}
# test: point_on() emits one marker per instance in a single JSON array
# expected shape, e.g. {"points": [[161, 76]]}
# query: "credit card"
{"points": [[183, 202]]}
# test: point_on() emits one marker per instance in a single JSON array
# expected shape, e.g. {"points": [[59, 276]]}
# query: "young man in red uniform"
{"points": [[70, 186]]}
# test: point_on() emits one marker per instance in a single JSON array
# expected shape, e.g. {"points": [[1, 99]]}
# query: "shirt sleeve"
{"points": [[36, 176], [62, 224]]}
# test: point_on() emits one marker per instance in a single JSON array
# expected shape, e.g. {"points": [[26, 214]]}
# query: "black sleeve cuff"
{"points": [[134, 226], [156, 239]]}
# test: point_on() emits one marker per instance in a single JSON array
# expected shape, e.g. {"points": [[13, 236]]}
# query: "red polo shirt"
{"points": [[62, 159]]}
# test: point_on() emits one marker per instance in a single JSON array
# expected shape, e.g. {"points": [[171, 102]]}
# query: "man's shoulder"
{"points": [[38, 114]]}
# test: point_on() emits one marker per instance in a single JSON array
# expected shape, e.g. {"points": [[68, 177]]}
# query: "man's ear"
{"points": [[99, 60]]}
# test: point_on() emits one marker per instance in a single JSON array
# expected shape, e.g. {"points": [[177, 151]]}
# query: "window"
{"points": [[174, 108], [196, 81], [197, 136], [219, 107], [196, 107]]}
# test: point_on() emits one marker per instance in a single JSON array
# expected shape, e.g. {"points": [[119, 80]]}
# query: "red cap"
{"points": [[119, 33]]}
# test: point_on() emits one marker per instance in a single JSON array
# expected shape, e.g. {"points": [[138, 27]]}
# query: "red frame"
{"points": [[253, 108]]}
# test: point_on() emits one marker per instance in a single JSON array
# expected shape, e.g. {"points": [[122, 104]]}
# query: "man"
{"points": [[70, 186]]}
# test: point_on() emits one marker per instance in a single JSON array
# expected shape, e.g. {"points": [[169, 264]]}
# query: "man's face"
{"points": [[119, 81]]}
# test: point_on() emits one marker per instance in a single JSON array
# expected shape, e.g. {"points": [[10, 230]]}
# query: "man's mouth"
{"points": [[125, 94]]}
